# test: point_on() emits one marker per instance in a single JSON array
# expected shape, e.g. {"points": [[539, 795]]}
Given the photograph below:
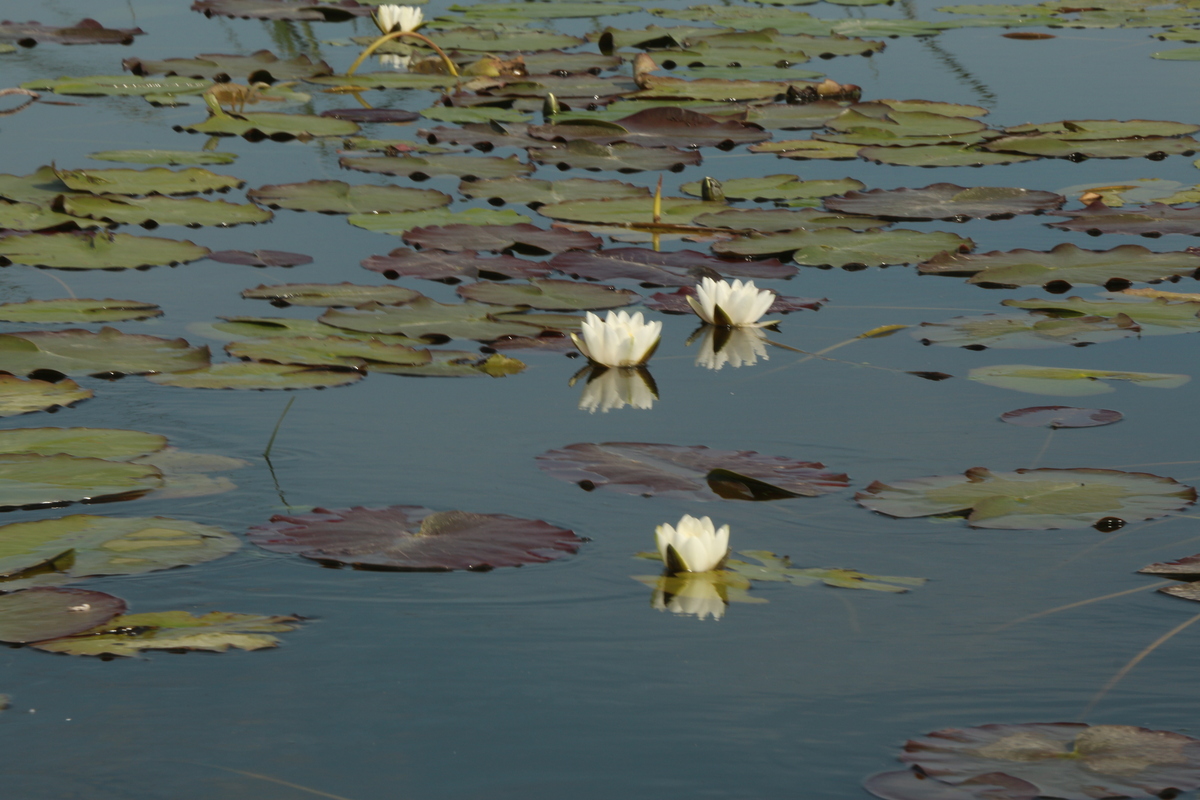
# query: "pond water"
{"points": [[561, 679]]}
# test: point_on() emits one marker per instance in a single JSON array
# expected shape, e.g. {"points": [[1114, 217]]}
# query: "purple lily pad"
{"points": [[1151, 220], [261, 258], [86, 31], [34, 615], [1061, 417], [437, 265], [912, 785], [522, 238], [681, 268], [372, 114]]}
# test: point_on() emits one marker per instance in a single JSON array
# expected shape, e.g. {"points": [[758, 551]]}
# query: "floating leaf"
{"points": [[327, 351], [912, 785], [1061, 417], [329, 294], [412, 538], [779, 569], [429, 166], [1068, 382], [283, 9], [1150, 220], [110, 443], [1056, 146], [657, 127], [455, 364], [425, 317], [1027, 331], [37, 614], [522, 238], [1031, 499], [275, 125], [155, 180], [631, 210], [840, 247], [96, 250], [694, 472], [31, 217], [451, 267], [401, 222], [549, 294], [386, 80], [808, 148], [86, 31], [535, 192], [338, 197], [153, 211], [939, 155], [118, 85], [1093, 129], [41, 187], [260, 66], [1158, 315], [81, 352], [619, 157], [777, 187], [679, 268], [275, 327], [258, 376], [946, 201], [261, 258], [68, 549], [773, 220], [216, 631], [18, 396], [1139, 190], [1064, 266], [495, 39], [32, 480]]}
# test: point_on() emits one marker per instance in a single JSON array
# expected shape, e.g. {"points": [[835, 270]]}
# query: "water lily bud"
{"points": [[618, 340], [731, 305], [694, 545]]}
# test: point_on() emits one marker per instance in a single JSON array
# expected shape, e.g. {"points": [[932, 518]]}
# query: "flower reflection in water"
{"points": [[393, 61], [607, 389], [737, 347], [698, 594]]}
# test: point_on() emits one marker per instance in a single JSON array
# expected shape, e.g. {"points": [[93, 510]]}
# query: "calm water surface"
{"points": [[560, 680]]}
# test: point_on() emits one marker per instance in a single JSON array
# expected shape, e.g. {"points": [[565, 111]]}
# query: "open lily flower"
{"points": [[694, 545], [389, 18], [731, 305], [620, 339], [690, 595], [737, 347], [607, 389]]}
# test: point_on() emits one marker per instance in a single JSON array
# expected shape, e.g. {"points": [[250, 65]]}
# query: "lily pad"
{"points": [[841, 247], [559, 9], [338, 197], [779, 569], [86, 31], [939, 155], [429, 166], [1092, 129], [1031, 499], [912, 785], [96, 250], [216, 631], [117, 85], [1157, 315], [946, 201], [498, 39], [330, 294], [276, 125], [37, 614], [1025, 331], [693, 472], [275, 327], [620, 157], [155, 180], [549, 294], [437, 265], [31, 217], [1064, 266], [110, 443], [808, 148], [257, 376], [1061, 382], [328, 351], [779, 188], [455, 364], [28, 480], [522, 238], [657, 127], [774, 220], [300, 10], [68, 549], [425, 317], [153, 211], [1150, 220], [41, 187], [260, 66], [679, 268], [19, 396], [533, 192], [1056, 146], [1066, 760], [81, 352], [1061, 417], [411, 538], [261, 258], [401, 222], [631, 210]]}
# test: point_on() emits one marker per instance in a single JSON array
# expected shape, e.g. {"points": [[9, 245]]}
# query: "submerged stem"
{"points": [[1080, 603], [1133, 662], [387, 37]]}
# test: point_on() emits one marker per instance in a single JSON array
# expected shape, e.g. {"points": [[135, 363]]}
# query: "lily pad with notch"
{"points": [[693, 472], [946, 201], [1064, 266], [1061, 417], [19, 396], [1060, 382], [81, 352], [177, 631], [412, 538], [522, 238], [436, 265], [1031, 499], [339, 197]]}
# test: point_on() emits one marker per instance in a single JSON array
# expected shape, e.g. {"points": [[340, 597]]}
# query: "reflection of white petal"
{"points": [[742, 348], [617, 388], [697, 597], [395, 61]]}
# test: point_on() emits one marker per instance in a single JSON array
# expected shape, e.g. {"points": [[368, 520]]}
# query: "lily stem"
{"points": [[1133, 662], [387, 37]]}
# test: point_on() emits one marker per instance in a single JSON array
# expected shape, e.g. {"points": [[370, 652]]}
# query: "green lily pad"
{"points": [[1025, 331], [619, 157], [456, 364], [631, 210], [191, 211], [522, 238], [31, 217], [746, 57], [720, 90], [118, 85], [1092, 129], [283, 9], [778, 188], [522, 12], [110, 443], [1031, 499], [156, 180], [19, 396], [216, 631], [1058, 382], [401, 222], [808, 148], [1138, 190], [338, 197], [779, 569], [328, 351], [96, 250], [1181, 53], [330, 294], [32, 480], [906, 123], [441, 113], [429, 166], [784, 20], [80, 352], [276, 125], [793, 117], [946, 201], [679, 268], [533, 192], [1065, 265], [1155, 219], [503, 40], [172, 158], [257, 376], [387, 80], [41, 187], [549, 294], [36, 614], [771, 220], [1156, 315], [1054, 146], [68, 549], [939, 155], [881, 137], [261, 66], [424, 317], [274, 327], [842, 247]]}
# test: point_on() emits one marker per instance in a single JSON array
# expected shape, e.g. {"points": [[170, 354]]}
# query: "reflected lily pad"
{"points": [[549, 294], [430, 166], [96, 250], [19, 396], [446, 267], [946, 201], [81, 352], [1061, 417], [1031, 499], [152, 211], [411, 538], [257, 376], [36, 614], [338, 197], [29, 480], [521, 238], [1066, 265], [840, 247], [68, 549], [693, 472], [698, 594], [329, 294], [401, 222], [1061, 382], [216, 631]]}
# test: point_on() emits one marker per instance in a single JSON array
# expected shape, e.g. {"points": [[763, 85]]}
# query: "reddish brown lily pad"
{"points": [[945, 201], [437, 265], [482, 136], [662, 126], [680, 268], [694, 472], [411, 538], [1150, 220], [261, 258], [86, 31], [620, 157], [34, 615], [913, 785], [1186, 568], [521, 238], [372, 114], [261, 65], [283, 9], [1061, 417], [676, 302]]}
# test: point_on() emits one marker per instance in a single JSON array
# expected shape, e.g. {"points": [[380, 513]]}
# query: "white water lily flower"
{"points": [[694, 545], [693, 596], [619, 340], [742, 347], [617, 388], [389, 18], [728, 304]]}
